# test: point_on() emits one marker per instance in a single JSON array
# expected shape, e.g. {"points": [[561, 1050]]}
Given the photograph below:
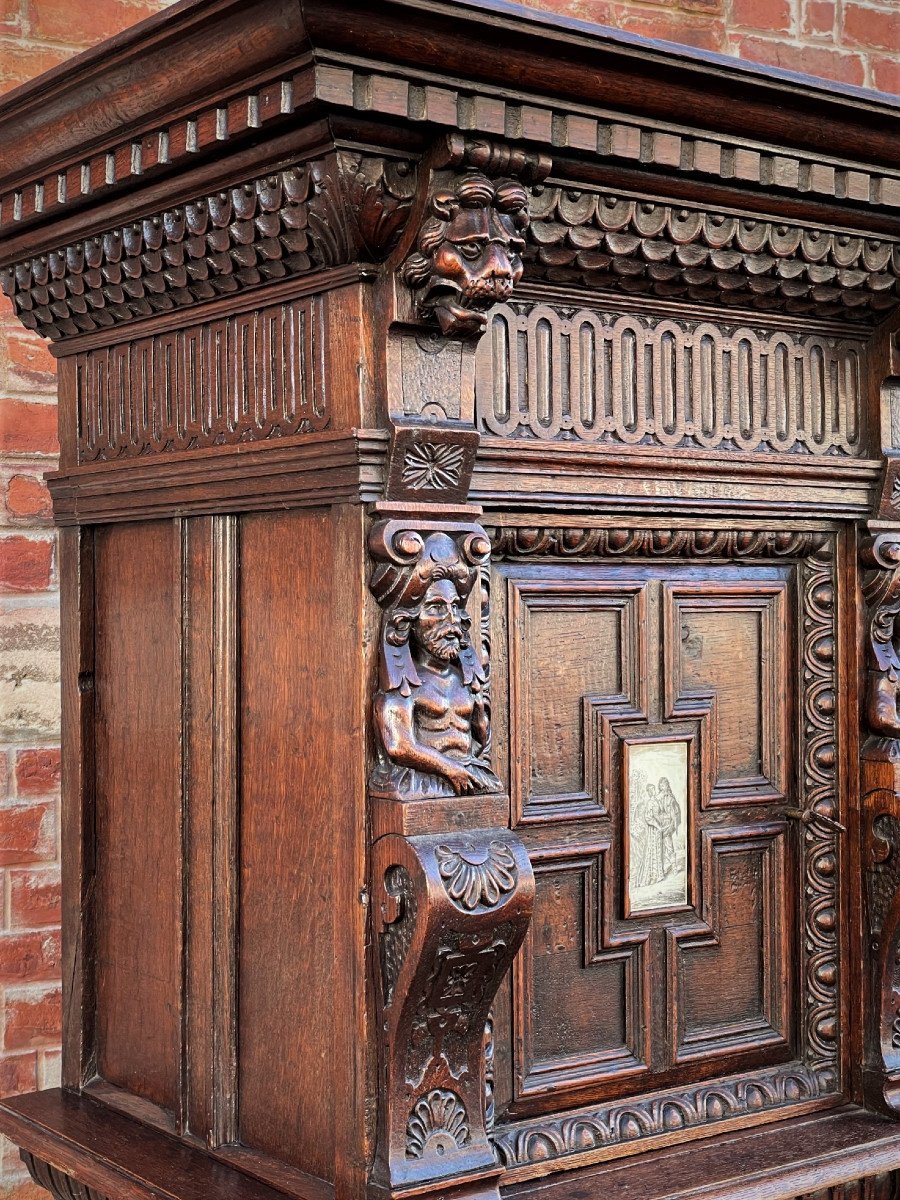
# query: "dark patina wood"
{"points": [[479, 547]]}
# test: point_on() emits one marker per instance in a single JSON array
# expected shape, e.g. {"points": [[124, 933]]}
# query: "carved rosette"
{"points": [[451, 912], [880, 790]]}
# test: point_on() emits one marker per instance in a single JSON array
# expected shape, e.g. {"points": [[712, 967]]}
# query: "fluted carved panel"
{"points": [[553, 373], [249, 377]]}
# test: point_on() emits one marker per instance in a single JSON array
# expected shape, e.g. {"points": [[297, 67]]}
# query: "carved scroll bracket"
{"points": [[464, 249], [451, 911], [880, 790]]}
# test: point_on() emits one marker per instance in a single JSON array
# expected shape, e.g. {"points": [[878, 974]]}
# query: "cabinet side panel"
{"points": [[139, 818], [292, 627]]}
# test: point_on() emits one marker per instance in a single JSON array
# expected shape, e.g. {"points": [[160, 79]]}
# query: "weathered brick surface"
{"points": [[852, 41]]}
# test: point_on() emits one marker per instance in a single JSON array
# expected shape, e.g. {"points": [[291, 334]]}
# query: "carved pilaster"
{"points": [[451, 913], [880, 792]]}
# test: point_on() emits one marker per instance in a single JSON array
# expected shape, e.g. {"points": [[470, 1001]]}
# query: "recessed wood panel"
{"points": [[733, 989], [286, 948], [576, 649], [727, 643], [139, 817]]}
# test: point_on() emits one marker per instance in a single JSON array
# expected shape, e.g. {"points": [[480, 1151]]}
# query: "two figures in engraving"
{"points": [[659, 817], [431, 714]]}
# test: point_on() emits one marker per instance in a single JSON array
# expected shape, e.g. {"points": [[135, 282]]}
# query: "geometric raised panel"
{"points": [[581, 1012], [741, 942], [672, 889], [727, 647], [576, 647]]}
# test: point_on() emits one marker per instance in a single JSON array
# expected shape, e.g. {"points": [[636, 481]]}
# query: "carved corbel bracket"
{"points": [[464, 249], [451, 912]]}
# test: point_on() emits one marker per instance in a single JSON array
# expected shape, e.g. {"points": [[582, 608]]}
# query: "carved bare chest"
{"points": [[479, 515]]}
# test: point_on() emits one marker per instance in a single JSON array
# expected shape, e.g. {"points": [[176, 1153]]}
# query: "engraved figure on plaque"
{"points": [[656, 780]]}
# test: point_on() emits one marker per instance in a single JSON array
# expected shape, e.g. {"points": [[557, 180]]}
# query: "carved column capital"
{"points": [[451, 911]]}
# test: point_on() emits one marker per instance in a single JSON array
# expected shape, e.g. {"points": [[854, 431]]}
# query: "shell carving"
{"points": [[436, 1125], [477, 875]]}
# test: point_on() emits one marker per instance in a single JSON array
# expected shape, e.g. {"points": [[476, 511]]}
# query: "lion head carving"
{"points": [[469, 251]]}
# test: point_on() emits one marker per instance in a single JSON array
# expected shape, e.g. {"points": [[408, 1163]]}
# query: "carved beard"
{"points": [[443, 643]]}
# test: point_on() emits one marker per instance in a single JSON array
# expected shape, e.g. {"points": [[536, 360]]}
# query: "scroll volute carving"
{"points": [[432, 720], [451, 912], [464, 252], [880, 790]]}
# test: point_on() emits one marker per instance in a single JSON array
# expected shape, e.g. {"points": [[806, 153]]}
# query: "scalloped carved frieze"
{"points": [[642, 247], [308, 217], [558, 374]]}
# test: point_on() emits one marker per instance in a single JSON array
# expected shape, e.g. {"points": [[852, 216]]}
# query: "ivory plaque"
{"points": [[656, 781]]}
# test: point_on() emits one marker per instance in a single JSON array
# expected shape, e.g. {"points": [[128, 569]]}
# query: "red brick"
{"points": [[818, 18], [671, 26], [774, 15], [27, 496], [18, 1073], [27, 833], [809, 60], [26, 1190], [885, 73], [28, 428], [29, 957], [38, 772], [34, 897], [10, 15], [864, 26], [4, 774], [32, 1018], [30, 360], [26, 564], [83, 24], [19, 63]]}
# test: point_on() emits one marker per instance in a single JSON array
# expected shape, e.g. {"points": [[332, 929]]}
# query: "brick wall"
{"points": [[849, 40], [852, 41]]}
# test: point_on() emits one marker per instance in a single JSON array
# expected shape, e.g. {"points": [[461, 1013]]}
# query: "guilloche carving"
{"points": [[431, 719]]}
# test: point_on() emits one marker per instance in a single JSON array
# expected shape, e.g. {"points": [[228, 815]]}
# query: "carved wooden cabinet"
{"points": [[479, 512]]}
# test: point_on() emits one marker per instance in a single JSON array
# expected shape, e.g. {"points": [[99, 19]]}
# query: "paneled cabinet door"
{"points": [[660, 725]]}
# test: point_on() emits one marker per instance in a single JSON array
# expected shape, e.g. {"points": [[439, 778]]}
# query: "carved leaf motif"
{"points": [[430, 467], [477, 875], [437, 1124]]}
